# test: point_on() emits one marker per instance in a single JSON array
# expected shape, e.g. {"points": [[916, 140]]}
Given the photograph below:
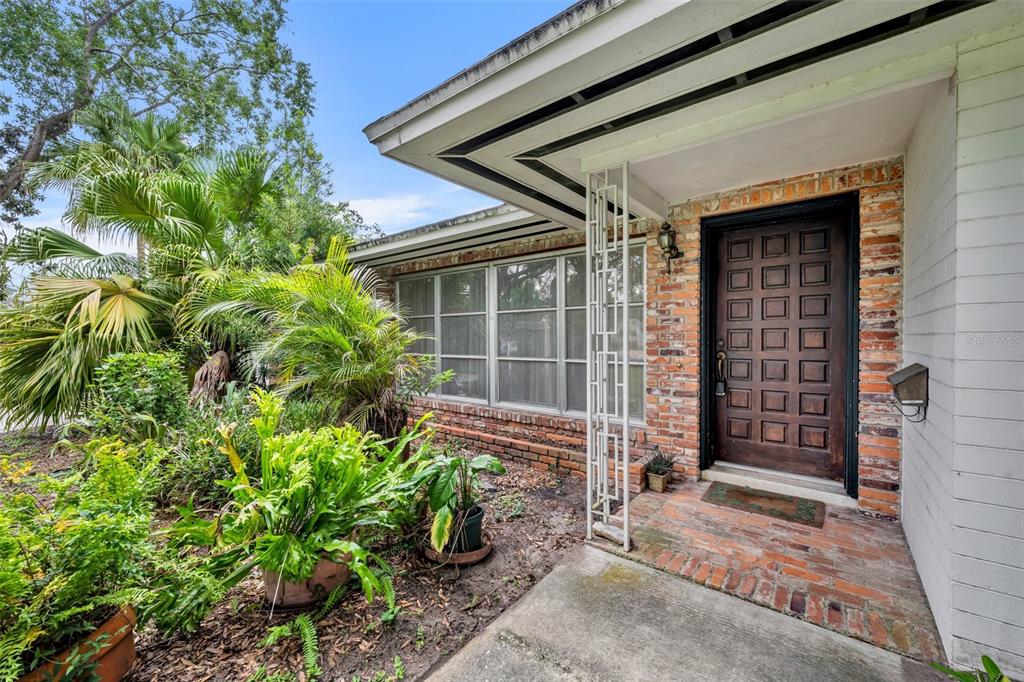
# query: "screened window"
{"points": [[515, 333], [528, 333], [464, 332]]}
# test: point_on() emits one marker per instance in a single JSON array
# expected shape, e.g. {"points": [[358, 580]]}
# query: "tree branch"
{"points": [[60, 123]]}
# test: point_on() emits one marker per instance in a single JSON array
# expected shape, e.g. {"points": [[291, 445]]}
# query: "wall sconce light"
{"points": [[910, 385], [667, 242]]}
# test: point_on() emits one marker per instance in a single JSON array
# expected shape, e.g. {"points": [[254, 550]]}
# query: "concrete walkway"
{"points": [[600, 617]]}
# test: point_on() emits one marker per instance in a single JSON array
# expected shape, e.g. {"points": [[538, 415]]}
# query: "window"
{"points": [[515, 333], [528, 333], [464, 332]]}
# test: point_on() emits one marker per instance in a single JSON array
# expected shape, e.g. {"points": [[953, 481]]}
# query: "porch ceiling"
{"points": [[648, 78], [875, 128]]}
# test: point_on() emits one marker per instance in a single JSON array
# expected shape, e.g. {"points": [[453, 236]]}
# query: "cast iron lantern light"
{"points": [[667, 242]]}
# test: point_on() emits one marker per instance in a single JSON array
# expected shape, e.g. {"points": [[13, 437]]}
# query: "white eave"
{"points": [[607, 82], [534, 39], [471, 231]]}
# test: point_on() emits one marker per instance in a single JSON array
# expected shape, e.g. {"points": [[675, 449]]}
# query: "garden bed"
{"points": [[533, 516]]}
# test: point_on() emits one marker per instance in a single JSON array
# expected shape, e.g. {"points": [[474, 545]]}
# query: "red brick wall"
{"points": [[673, 319], [545, 442], [673, 337]]}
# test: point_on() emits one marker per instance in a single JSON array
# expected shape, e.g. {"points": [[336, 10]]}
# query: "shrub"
{"points": [[195, 464], [138, 393], [316, 493], [66, 569], [452, 481]]}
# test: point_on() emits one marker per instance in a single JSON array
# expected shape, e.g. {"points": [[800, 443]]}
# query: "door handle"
{"points": [[720, 373]]}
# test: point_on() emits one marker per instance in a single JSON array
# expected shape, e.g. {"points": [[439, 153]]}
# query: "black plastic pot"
{"points": [[471, 536]]}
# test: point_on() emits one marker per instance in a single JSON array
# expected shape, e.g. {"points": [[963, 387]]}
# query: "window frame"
{"points": [[492, 359]]}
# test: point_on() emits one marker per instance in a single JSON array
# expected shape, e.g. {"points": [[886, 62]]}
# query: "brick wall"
{"points": [[545, 442], [673, 319], [672, 408]]}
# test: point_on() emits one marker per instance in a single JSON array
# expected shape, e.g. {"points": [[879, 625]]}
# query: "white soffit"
{"points": [[870, 129]]}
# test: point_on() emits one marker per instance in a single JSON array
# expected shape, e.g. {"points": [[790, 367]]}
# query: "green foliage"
{"points": [[989, 672], [310, 647], [329, 336], [81, 306], [131, 384], [510, 506], [313, 494], [659, 464], [399, 668], [220, 66], [261, 675], [67, 568], [452, 481]]}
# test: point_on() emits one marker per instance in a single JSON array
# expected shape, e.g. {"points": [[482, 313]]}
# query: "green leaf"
{"points": [[442, 488], [955, 674], [994, 673]]}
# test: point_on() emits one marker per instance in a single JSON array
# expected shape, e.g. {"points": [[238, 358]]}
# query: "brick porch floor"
{"points": [[855, 575]]}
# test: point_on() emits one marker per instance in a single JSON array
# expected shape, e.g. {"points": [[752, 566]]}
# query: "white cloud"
{"points": [[51, 214], [412, 209], [394, 212]]}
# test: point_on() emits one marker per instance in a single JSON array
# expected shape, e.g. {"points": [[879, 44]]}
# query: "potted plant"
{"points": [[70, 570], [456, 530], [659, 472], [301, 520]]}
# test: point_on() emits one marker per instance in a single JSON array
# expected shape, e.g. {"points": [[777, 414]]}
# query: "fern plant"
{"points": [[66, 568], [316, 494]]}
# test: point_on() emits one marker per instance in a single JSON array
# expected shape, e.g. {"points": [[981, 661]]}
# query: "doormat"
{"points": [[785, 507]]}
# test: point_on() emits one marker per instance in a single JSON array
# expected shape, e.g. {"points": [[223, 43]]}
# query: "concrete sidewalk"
{"points": [[600, 617]]}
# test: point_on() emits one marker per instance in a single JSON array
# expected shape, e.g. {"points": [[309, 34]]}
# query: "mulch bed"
{"points": [[534, 518], [37, 448]]}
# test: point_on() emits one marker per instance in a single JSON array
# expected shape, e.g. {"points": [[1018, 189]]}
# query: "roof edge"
{"points": [[554, 28], [491, 212]]}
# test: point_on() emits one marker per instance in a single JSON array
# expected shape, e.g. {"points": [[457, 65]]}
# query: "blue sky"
{"points": [[368, 59]]}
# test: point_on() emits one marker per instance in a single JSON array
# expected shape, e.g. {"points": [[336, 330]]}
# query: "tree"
{"points": [[328, 335], [218, 65], [84, 305]]}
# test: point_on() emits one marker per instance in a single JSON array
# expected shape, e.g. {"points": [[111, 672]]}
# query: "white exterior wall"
{"points": [[988, 455], [929, 317], [963, 476]]}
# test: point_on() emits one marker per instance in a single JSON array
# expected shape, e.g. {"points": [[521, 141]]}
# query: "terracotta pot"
{"points": [[114, 658], [460, 558], [327, 575], [658, 482]]}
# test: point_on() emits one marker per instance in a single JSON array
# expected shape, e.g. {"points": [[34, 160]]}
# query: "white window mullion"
{"points": [[561, 390], [492, 335]]}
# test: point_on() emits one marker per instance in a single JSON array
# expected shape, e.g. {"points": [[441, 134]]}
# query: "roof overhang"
{"points": [[638, 81], [471, 231]]}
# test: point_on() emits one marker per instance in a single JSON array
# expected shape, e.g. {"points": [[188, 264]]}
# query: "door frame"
{"points": [[710, 227]]}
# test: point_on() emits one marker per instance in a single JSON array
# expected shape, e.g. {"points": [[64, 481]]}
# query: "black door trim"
{"points": [[709, 228]]}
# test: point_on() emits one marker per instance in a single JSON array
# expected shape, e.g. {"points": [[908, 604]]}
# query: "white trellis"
{"points": [[608, 352]]}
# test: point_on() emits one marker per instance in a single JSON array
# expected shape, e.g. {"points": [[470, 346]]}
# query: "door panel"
{"points": [[781, 302]]}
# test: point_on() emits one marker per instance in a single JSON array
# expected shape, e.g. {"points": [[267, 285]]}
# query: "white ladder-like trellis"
{"points": [[607, 276]]}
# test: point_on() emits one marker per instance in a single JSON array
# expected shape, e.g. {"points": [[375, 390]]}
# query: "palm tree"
{"points": [[81, 305], [329, 335]]}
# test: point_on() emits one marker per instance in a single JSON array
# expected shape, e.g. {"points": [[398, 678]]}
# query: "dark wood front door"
{"points": [[780, 345]]}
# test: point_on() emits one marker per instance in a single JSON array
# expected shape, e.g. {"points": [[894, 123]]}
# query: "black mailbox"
{"points": [[910, 385]]}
